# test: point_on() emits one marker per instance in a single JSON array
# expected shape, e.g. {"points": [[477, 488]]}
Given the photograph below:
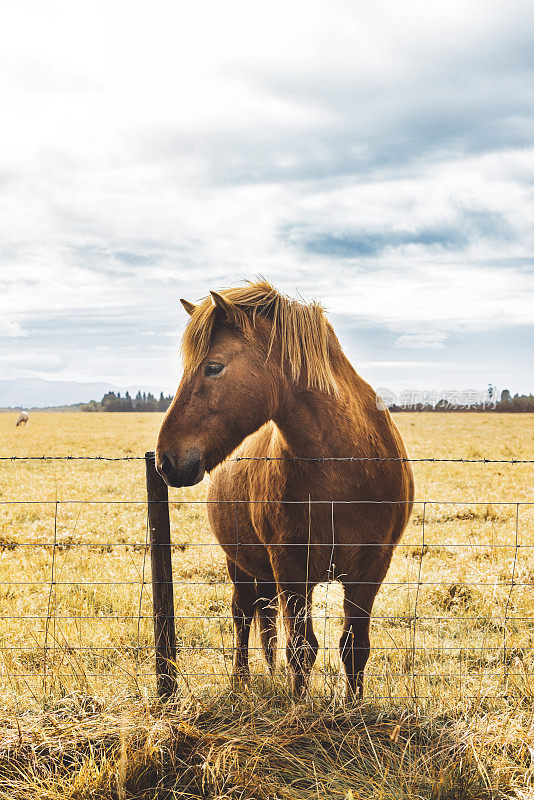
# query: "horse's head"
{"points": [[242, 350], [229, 394]]}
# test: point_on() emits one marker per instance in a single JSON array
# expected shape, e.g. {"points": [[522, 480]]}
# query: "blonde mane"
{"points": [[300, 329]]}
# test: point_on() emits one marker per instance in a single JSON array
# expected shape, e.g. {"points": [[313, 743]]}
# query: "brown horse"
{"points": [[265, 379]]}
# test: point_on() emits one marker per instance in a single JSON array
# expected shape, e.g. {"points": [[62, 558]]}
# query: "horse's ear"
{"points": [[221, 302], [189, 307], [225, 305], [232, 312]]}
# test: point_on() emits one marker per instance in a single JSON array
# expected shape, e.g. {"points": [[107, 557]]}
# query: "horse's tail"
{"points": [[266, 611]]}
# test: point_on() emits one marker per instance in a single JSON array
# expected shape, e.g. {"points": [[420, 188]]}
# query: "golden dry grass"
{"points": [[452, 637]]}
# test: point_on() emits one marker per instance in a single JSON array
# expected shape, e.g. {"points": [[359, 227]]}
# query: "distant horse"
{"points": [[22, 419], [267, 375]]}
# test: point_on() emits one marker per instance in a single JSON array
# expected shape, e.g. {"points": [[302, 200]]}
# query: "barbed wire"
{"points": [[185, 501], [402, 459], [116, 617], [65, 544], [253, 582]]}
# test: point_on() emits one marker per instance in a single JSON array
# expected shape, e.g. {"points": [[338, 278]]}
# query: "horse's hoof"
{"points": [[240, 682], [352, 698]]}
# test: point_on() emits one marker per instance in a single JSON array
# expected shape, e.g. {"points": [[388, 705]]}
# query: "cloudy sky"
{"points": [[377, 156]]}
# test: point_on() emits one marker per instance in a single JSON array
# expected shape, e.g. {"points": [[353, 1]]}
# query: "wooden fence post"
{"points": [[162, 588]]}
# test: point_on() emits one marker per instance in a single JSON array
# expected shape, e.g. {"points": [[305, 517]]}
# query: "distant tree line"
{"points": [[507, 403], [519, 402], [141, 402]]}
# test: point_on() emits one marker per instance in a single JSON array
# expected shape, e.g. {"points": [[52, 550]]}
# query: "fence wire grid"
{"points": [[454, 616]]}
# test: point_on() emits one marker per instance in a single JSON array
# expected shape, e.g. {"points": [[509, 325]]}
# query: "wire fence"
{"points": [[454, 616]]}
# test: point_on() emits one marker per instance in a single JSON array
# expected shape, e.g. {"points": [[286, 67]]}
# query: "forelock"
{"points": [[300, 330]]}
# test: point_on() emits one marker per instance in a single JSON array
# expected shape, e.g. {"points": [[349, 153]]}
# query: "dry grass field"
{"points": [[449, 709]]}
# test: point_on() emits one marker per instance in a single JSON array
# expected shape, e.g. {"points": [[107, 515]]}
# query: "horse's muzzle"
{"points": [[181, 472]]}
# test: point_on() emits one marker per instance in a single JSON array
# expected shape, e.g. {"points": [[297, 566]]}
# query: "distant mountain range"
{"points": [[39, 393]]}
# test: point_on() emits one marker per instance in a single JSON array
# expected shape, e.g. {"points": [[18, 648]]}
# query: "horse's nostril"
{"points": [[178, 471], [166, 465]]}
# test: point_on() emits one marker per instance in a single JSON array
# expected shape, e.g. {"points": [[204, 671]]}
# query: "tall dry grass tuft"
{"points": [[257, 745]]}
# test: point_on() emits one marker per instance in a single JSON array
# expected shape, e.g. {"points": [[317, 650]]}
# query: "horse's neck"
{"points": [[317, 424]]}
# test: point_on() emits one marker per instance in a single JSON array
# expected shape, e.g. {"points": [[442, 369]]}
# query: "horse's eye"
{"points": [[213, 369]]}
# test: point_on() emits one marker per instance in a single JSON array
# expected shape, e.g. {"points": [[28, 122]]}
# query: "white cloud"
{"points": [[9, 328], [28, 362], [151, 155], [452, 296]]}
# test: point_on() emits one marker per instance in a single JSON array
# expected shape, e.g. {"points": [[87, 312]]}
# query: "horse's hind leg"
{"points": [[243, 607], [266, 610], [354, 645]]}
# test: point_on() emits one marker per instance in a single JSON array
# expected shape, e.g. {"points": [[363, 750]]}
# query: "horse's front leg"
{"points": [[302, 644], [295, 592], [243, 606], [354, 645], [266, 613]]}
